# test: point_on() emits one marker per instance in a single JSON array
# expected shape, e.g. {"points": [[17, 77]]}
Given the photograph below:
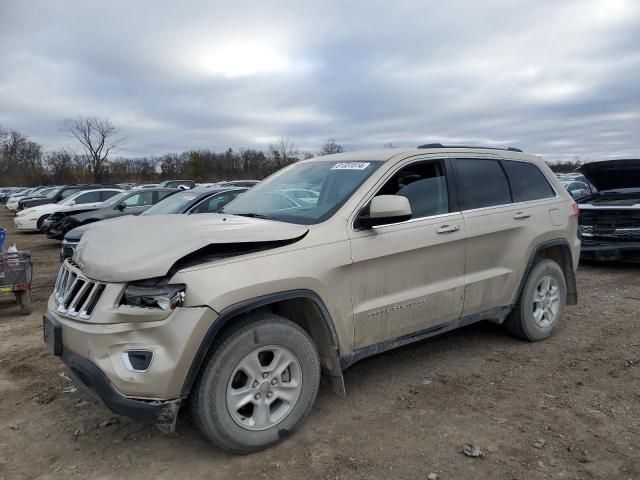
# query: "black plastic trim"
{"points": [[439, 145], [88, 376], [532, 258], [364, 352], [233, 311]]}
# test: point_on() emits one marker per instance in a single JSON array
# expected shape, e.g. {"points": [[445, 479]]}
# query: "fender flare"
{"points": [[562, 242], [237, 309]]}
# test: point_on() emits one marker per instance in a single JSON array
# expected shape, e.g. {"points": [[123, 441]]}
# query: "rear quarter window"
{"points": [[527, 181]]}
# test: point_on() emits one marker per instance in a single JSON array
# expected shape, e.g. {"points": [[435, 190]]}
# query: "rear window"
{"points": [[527, 181], [481, 183]]}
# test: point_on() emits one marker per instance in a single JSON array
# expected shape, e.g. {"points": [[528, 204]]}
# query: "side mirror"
{"points": [[386, 209], [121, 206], [72, 203]]}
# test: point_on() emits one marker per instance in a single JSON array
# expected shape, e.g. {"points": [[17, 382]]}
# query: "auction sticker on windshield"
{"points": [[351, 166]]}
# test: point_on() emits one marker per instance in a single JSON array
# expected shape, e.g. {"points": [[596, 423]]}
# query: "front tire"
{"points": [[541, 303], [258, 385], [40, 221]]}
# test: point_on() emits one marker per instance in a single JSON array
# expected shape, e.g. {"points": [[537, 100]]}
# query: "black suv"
{"points": [[54, 196], [131, 202]]}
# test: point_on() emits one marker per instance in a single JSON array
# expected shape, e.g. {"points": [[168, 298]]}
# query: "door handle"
{"points": [[521, 215], [448, 229]]}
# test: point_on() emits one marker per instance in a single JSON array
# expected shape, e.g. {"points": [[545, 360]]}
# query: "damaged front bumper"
{"points": [[134, 360], [161, 413]]}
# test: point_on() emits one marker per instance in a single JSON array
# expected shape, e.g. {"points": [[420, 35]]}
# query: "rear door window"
{"points": [[481, 183], [141, 199], [107, 194], [89, 197], [527, 181]]}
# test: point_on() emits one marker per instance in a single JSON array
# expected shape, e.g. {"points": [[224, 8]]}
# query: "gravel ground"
{"points": [[568, 407]]}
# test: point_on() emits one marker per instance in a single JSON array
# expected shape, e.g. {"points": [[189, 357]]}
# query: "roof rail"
{"points": [[439, 145]]}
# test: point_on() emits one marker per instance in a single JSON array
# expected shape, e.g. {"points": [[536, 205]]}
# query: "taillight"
{"points": [[575, 210]]}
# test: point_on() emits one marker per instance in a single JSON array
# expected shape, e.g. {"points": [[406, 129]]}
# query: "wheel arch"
{"points": [[559, 251], [303, 307], [41, 219]]}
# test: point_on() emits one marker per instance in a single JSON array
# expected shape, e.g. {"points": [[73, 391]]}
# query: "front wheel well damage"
{"points": [[305, 310]]}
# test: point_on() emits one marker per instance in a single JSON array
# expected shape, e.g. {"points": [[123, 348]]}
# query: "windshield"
{"points": [[175, 203], [306, 193], [52, 193]]}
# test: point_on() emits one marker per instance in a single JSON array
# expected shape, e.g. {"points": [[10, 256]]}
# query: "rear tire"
{"points": [[541, 303], [258, 384]]}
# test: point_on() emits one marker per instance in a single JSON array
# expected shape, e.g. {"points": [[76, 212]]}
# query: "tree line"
{"points": [[23, 162]]}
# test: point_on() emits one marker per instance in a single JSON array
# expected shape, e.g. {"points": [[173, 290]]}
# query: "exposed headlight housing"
{"points": [[162, 296]]}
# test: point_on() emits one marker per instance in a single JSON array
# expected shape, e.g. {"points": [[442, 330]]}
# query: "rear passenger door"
{"points": [[138, 202], [89, 199], [408, 277], [505, 205]]}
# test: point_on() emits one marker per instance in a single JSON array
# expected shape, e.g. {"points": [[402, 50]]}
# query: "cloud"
{"points": [[556, 78]]}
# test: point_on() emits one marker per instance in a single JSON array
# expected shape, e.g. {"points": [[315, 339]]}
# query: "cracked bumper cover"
{"points": [[93, 352], [161, 413]]}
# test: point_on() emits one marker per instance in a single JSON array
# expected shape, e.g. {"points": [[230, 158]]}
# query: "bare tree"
{"points": [[284, 150], [20, 159], [330, 146], [98, 137], [389, 145]]}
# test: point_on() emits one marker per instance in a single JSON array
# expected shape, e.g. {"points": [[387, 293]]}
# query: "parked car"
{"points": [[197, 200], [130, 202], [181, 184], [31, 219], [610, 216], [7, 192], [14, 199], [576, 189], [239, 183], [60, 193], [236, 314]]}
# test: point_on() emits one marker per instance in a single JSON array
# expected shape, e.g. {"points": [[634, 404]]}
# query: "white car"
{"points": [[12, 201], [30, 219]]}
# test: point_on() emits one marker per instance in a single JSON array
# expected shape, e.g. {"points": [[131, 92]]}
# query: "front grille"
{"points": [[75, 294], [610, 219]]}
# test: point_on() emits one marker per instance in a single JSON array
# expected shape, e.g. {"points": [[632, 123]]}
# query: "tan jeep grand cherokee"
{"points": [[326, 262]]}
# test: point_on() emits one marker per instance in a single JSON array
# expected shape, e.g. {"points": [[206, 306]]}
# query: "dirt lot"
{"points": [[568, 407]]}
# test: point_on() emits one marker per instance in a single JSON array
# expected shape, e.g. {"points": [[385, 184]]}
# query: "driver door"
{"points": [[408, 277]]}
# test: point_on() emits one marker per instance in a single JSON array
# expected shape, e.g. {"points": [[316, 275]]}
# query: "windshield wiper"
{"points": [[254, 215]]}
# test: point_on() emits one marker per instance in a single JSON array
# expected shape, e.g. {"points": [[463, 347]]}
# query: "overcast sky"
{"points": [[558, 78]]}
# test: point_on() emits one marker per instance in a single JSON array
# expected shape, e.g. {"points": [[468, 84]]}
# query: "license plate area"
{"points": [[52, 333]]}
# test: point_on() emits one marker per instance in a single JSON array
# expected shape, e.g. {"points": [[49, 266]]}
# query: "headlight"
{"points": [[163, 296], [22, 212]]}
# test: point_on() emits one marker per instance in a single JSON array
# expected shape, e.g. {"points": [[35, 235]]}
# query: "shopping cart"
{"points": [[15, 278]]}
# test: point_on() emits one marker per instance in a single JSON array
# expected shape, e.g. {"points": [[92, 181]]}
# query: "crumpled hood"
{"points": [[136, 248], [613, 174]]}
